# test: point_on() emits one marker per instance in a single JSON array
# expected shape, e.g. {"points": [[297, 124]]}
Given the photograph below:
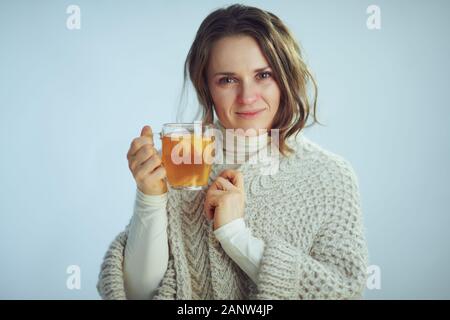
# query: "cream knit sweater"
{"points": [[308, 214]]}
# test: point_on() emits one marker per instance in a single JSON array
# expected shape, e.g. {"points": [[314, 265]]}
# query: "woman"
{"points": [[294, 234]]}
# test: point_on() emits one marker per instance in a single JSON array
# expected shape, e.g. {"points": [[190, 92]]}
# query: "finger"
{"points": [[215, 193], [213, 187], [158, 174], [147, 132], [137, 143], [210, 205], [144, 153], [147, 167], [235, 177], [211, 202], [224, 184]]}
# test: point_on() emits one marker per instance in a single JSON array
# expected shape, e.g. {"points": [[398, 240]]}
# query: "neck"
{"points": [[238, 147]]}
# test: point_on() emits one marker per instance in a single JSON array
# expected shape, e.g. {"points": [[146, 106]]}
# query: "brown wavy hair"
{"points": [[280, 49]]}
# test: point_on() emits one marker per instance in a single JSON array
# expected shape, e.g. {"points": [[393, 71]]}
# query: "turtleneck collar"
{"points": [[240, 148]]}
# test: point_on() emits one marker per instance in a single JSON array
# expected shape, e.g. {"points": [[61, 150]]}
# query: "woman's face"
{"points": [[241, 83]]}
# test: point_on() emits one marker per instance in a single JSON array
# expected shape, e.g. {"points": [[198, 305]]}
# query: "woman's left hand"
{"points": [[225, 198]]}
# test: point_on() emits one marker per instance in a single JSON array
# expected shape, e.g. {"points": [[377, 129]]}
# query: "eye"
{"points": [[265, 75], [226, 80]]}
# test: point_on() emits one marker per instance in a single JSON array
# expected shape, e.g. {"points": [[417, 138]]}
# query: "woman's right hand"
{"points": [[145, 164]]}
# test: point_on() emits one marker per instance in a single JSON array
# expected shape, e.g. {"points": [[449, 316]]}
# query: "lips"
{"points": [[249, 114]]}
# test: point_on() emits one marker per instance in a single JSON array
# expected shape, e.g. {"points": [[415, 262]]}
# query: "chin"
{"points": [[246, 125]]}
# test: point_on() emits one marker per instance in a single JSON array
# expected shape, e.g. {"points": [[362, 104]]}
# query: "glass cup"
{"points": [[187, 154]]}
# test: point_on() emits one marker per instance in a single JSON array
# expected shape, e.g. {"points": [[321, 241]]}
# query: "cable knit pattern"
{"points": [[308, 214], [110, 284]]}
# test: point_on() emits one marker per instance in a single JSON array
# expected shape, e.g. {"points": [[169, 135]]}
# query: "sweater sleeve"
{"points": [[146, 251], [335, 266], [110, 284], [241, 246], [112, 277]]}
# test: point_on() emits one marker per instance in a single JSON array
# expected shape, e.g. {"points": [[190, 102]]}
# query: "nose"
{"points": [[248, 94]]}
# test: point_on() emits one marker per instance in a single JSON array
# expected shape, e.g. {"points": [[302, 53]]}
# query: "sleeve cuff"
{"points": [[278, 275], [226, 232], [151, 200]]}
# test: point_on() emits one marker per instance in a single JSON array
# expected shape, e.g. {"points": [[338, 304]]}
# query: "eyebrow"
{"points": [[232, 73]]}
